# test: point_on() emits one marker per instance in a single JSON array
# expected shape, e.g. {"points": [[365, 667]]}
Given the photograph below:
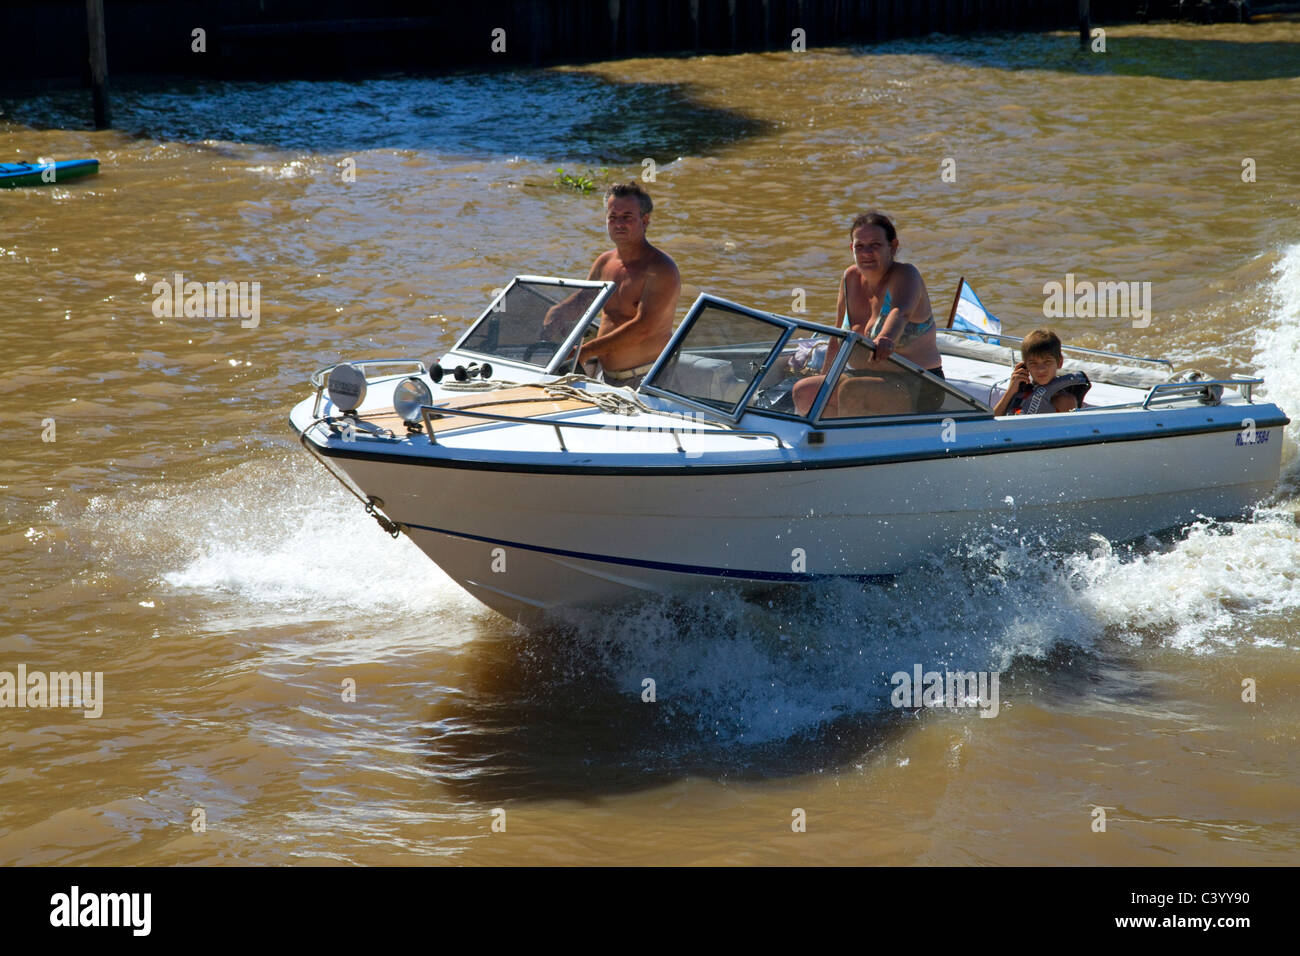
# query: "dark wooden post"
{"points": [[98, 62], [956, 298], [1085, 24]]}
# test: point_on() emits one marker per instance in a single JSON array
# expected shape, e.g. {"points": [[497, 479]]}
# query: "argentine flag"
{"points": [[969, 314]]}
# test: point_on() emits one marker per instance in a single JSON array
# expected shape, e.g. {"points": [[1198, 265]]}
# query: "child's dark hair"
{"points": [[1041, 342]]}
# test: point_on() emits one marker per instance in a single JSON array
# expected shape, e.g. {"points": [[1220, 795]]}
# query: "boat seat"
{"points": [[703, 377], [980, 391]]}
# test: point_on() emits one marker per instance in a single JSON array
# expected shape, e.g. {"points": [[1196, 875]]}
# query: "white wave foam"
{"points": [[1223, 583], [744, 672], [272, 541], [752, 672], [1277, 347], [331, 559]]}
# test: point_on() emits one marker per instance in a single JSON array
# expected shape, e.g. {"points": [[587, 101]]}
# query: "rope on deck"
{"points": [[615, 403]]}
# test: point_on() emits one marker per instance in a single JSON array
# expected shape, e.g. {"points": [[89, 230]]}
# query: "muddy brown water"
{"points": [[172, 536]]}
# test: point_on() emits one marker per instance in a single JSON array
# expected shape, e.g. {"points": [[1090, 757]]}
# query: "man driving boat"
{"points": [[637, 319]]}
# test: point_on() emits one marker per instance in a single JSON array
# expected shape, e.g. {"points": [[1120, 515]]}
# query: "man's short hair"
{"points": [[1041, 342], [873, 217], [631, 188]]}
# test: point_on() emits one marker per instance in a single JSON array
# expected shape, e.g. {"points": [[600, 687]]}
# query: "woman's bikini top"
{"points": [[911, 331]]}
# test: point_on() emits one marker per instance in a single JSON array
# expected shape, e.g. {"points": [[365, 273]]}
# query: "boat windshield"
{"points": [[725, 355], [535, 321], [721, 355], [868, 387]]}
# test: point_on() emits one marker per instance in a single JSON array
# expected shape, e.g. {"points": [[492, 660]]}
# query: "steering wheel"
{"points": [[775, 397], [541, 344]]}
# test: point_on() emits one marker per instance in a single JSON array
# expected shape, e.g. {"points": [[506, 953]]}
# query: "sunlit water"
{"points": [[174, 537]]}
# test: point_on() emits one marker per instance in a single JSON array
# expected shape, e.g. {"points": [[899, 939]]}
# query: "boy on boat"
{"points": [[1037, 385]]}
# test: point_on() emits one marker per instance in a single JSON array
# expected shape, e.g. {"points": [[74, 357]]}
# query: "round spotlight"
{"points": [[347, 387], [409, 397]]}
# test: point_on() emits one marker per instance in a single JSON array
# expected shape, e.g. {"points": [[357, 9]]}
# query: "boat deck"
{"points": [[525, 401]]}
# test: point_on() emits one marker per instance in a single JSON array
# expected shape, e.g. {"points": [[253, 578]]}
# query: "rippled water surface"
{"points": [[175, 538]]}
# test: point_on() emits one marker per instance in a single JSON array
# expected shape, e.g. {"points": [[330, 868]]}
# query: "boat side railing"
{"points": [[1177, 391], [1208, 391], [432, 412], [985, 336]]}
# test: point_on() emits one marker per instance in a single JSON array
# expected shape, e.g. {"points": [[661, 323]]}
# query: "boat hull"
{"points": [[529, 540]]}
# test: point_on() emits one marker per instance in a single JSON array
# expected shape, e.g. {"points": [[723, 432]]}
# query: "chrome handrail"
{"points": [[429, 412], [1245, 386], [1065, 348], [318, 377]]}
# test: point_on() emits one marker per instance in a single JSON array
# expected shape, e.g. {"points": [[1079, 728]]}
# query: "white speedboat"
{"points": [[536, 489]]}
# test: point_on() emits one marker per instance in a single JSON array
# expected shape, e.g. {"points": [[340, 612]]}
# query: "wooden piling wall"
{"points": [[44, 43]]}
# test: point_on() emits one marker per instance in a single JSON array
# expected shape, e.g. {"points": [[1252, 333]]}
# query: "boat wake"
{"points": [[1277, 356], [737, 670], [270, 543]]}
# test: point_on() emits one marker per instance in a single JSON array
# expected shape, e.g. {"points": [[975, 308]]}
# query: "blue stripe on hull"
{"points": [[789, 577]]}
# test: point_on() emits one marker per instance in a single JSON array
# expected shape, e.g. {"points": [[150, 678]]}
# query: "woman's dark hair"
{"points": [[873, 218]]}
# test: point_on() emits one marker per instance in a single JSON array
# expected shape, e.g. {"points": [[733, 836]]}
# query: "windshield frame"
{"points": [[698, 307], [791, 328], [558, 358], [981, 411]]}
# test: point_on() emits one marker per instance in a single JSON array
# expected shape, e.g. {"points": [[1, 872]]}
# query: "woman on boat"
{"points": [[884, 300]]}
